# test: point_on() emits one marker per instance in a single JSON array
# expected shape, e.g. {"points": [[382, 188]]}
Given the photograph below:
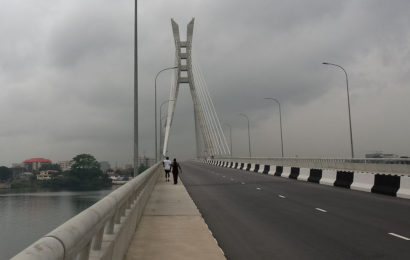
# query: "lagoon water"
{"points": [[26, 216]]}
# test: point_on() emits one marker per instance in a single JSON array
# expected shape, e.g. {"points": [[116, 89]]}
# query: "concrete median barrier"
{"points": [[294, 173], [328, 177], [344, 179], [386, 184], [404, 191], [285, 172], [315, 175], [304, 174], [362, 181]]}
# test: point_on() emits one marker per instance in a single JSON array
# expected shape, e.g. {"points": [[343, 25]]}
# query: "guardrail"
{"points": [[382, 165], [103, 231]]}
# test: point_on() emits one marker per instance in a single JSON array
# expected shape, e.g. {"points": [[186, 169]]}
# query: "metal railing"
{"points": [[103, 231], [379, 165]]}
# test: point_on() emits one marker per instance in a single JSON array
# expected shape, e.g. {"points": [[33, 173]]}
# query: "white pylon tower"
{"points": [[209, 136]]}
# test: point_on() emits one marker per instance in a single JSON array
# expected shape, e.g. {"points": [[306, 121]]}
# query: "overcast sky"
{"points": [[66, 75]]}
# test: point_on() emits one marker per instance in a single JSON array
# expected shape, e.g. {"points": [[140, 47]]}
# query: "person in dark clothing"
{"points": [[175, 170]]}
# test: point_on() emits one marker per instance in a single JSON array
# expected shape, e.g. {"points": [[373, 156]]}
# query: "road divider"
{"points": [[388, 184]]}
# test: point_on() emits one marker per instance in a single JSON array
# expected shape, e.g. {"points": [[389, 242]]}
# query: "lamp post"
{"points": [[135, 90], [249, 135], [155, 104], [160, 121], [348, 104], [280, 122], [230, 136]]}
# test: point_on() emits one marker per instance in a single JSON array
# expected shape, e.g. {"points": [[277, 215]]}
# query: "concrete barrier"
{"points": [[104, 230], [285, 172], [272, 169], [362, 181], [266, 169], [304, 174], [294, 173], [242, 165], [328, 177], [315, 175], [344, 179], [252, 167], [248, 167], [386, 184], [279, 171], [404, 191], [236, 166], [256, 169]]}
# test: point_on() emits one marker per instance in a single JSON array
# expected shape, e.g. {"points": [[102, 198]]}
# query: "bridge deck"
{"points": [[172, 228]]}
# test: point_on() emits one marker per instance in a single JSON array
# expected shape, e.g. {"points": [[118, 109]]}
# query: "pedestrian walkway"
{"points": [[172, 228]]}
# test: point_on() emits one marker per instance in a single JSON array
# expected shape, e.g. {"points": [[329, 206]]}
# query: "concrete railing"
{"points": [[103, 231], [383, 165]]}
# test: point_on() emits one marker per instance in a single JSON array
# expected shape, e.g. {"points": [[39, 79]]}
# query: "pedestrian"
{"points": [[167, 167], [175, 167]]}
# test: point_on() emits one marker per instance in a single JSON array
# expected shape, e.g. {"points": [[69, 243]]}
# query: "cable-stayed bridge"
{"points": [[241, 208]]}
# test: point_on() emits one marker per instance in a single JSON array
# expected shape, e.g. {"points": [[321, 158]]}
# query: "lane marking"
{"points": [[231, 179], [242, 183], [402, 237], [322, 210], [281, 196], [258, 188]]}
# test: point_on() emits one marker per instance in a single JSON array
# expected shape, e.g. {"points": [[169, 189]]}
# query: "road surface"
{"points": [[257, 216]]}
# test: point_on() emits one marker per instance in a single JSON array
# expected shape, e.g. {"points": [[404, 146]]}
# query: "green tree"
{"points": [[5, 173], [86, 174], [84, 161]]}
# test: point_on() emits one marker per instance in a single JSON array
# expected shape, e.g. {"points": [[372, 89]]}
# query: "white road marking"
{"points": [[231, 179], [258, 188], [281, 196], [242, 183], [321, 209], [402, 237]]}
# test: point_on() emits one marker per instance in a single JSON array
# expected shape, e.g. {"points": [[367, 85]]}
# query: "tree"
{"points": [[84, 161], [85, 173], [5, 173]]}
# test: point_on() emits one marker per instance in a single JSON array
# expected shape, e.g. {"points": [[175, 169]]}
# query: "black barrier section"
{"points": [[230, 166], [266, 169], [242, 165], [279, 170], [294, 173], [236, 165], [248, 167], [315, 175], [344, 179], [386, 184], [256, 168]]}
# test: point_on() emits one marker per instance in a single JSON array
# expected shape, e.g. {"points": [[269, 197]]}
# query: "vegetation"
{"points": [[85, 174], [5, 173]]}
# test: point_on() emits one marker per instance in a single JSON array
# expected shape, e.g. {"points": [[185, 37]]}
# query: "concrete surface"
{"points": [[172, 228]]}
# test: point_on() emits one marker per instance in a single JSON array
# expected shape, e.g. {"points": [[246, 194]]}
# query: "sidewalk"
{"points": [[172, 228]]}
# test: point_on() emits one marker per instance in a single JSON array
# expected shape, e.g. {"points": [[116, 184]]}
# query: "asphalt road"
{"points": [[256, 216]]}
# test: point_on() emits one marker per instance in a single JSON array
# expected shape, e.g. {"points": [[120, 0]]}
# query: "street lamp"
{"points": [[348, 104], [280, 121], [230, 136], [155, 104], [249, 135], [160, 120], [135, 89]]}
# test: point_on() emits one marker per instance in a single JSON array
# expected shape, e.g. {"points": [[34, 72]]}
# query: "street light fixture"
{"points": [[230, 136], [249, 135], [348, 104], [280, 121], [155, 104]]}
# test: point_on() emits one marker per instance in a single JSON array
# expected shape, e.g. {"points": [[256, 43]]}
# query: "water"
{"points": [[26, 216]]}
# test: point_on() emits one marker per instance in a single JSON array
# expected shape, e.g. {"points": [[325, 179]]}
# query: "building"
{"points": [[381, 155], [46, 175], [34, 164], [65, 165]]}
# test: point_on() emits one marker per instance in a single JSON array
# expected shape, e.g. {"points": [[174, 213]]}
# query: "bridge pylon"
{"points": [[208, 133]]}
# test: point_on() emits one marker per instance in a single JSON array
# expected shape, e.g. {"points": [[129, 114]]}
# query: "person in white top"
{"points": [[167, 167]]}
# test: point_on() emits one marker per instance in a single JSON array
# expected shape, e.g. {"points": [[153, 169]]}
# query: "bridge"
{"points": [[240, 208]]}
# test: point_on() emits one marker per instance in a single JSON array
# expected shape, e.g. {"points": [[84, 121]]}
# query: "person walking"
{"points": [[175, 170], [167, 167]]}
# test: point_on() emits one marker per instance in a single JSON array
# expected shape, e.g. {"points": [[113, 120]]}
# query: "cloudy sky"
{"points": [[66, 75]]}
